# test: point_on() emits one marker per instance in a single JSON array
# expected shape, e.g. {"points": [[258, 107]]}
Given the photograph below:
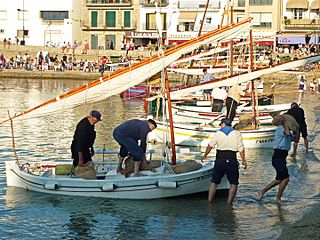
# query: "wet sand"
{"points": [[308, 227]]}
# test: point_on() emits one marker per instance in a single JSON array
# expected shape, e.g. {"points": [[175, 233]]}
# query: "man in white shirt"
{"points": [[228, 142]]}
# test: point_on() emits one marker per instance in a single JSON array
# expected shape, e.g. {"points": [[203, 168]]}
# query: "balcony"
{"points": [[150, 3], [301, 24], [105, 3]]}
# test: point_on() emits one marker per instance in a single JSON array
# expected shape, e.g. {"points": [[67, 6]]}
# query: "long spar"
{"points": [[190, 45]]}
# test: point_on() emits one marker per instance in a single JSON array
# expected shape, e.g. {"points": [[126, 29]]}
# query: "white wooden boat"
{"points": [[161, 184], [202, 114], [192, 135]]}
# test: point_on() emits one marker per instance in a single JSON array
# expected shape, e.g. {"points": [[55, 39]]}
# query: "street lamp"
{"points": [[19, 10]]}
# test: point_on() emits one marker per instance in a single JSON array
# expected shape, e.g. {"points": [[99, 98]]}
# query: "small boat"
{"points": [[162, 183], [193, 135]]}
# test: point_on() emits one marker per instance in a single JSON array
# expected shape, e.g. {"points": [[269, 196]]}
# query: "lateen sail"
{"points": [[229, 81], [121, 80]]}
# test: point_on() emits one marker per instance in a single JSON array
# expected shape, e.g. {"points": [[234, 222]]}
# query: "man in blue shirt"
{"points": [[128, 135], [281, 148]]}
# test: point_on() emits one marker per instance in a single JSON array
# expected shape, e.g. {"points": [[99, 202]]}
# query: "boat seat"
{"points": [[47, 173]]}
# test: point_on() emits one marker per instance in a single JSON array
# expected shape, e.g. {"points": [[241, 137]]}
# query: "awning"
{"points": [[188, 16], [315, 5], [302, 4]]}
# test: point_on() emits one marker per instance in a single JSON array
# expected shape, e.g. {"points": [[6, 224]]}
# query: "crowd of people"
{"points": [[43, 61]]}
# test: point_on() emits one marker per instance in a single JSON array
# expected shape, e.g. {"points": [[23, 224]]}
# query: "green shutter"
{"points": [[94, 19], [111, 19], [127, 19]]}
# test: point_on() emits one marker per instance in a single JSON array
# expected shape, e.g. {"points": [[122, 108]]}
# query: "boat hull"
{"points": [[190, 135], [145, 187]]}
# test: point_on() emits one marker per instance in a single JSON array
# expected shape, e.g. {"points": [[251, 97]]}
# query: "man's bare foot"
{"points": [[278, 201], [260, 195]]}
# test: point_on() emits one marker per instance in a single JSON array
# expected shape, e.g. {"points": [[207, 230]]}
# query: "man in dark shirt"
{"points": [[83, 139], [127, 135], [298, 113]]}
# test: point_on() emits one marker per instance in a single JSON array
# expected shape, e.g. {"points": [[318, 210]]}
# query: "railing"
{"points": [[106, 2], [302, 23], [150, 3]]}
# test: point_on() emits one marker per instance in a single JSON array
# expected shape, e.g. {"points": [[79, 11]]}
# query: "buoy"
{"points": [[167, 184], [51, 186], [108, 187]]}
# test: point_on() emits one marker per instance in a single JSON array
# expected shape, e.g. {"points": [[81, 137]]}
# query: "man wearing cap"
{"points": [[128, 135], [83, 139], [228, 142], [281, 147]]}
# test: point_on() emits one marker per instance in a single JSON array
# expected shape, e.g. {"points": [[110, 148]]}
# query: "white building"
{"points": [[43, 21]]}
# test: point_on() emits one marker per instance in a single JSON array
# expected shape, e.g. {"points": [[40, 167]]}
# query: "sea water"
{"points": [[30, 215]]}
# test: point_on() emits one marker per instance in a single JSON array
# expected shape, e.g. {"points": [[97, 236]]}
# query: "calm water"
{"points": [[30, 215]]}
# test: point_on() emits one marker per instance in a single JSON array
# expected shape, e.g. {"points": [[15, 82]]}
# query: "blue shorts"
{"points": [[280, 164], [228, 167]]}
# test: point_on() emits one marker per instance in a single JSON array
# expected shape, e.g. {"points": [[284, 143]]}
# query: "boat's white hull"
{"points": [[190, 135], [116, 187], [213, 117]]}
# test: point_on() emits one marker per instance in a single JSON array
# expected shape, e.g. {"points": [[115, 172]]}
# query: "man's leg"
{"points": [[119, 166], [232, 193], [306, 143], [136, 168], [268, 187], [212, 191], [295, 146], [282, 187]]}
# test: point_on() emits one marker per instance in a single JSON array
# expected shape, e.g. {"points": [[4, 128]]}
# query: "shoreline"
{"points": [[308, 227], [72, 75]]}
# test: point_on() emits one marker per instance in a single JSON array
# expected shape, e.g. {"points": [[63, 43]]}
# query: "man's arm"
{"points": [[243, 159], [208, 150]]}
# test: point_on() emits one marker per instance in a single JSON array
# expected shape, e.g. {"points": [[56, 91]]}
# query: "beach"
{"points": [[308, 227]]}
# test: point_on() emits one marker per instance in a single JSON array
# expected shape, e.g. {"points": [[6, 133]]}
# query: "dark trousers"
{"points": [[231, 108], [129, 146], [217, 105]]}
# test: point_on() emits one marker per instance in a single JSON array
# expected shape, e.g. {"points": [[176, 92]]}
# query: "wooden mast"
{"points": [[252, 81], [13, 143], [174, 157]]}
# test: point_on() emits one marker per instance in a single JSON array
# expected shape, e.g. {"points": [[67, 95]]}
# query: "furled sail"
{"points": [[121, 80], [244, 77]]}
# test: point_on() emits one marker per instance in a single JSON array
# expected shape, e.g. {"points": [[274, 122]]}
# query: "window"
{"points": [[186, 27], [127, 19], [20, 33], [208, 20], [3, 15], [94, 19], [52, 15], [151, 21], [94, 41], [110, 42], [111, 19], [241, 3], [260, 2], [262, 20], [22, 14], [297, 12]]}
